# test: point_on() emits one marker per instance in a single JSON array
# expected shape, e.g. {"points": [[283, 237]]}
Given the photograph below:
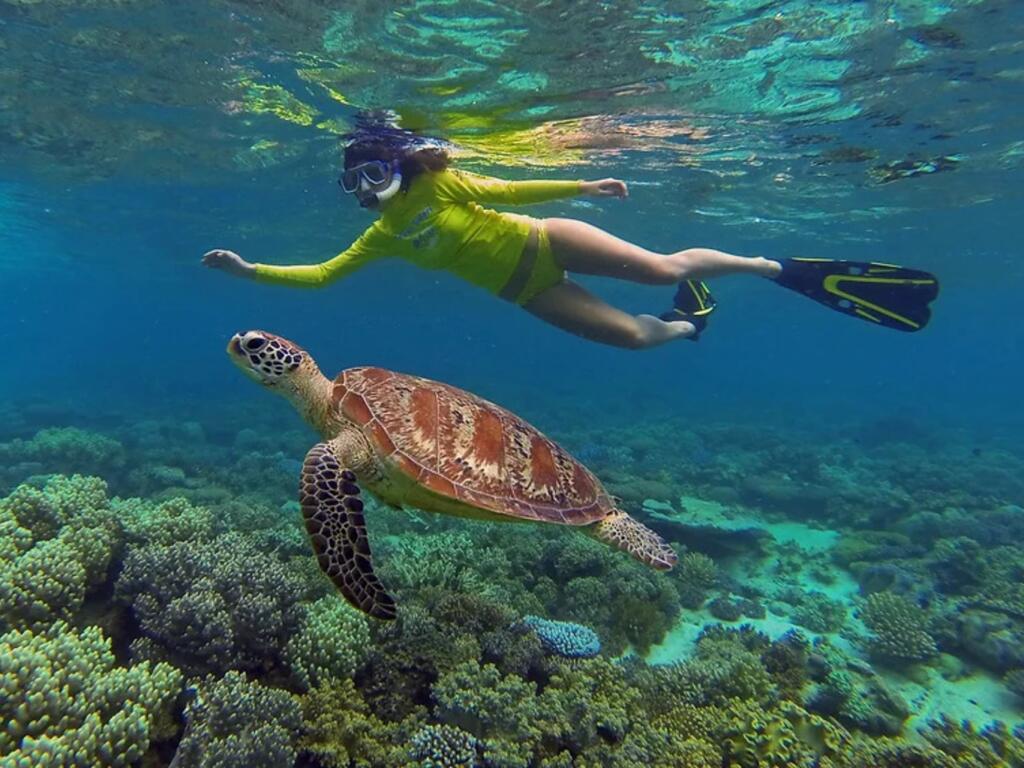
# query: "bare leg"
{"points": [[585, 249], [572, 308]]}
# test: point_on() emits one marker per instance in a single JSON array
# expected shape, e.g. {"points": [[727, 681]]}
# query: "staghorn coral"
{"points": [[587, 703], [697, 570], [900, 628], [234, 722], [65, 702], [993, 746], [332, 643], [818, 612], [211, 606]]}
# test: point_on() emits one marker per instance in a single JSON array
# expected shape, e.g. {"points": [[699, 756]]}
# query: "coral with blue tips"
{"points": [[565, 638]]}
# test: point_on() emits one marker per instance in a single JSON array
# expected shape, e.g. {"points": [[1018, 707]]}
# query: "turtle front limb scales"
{"points": [[333, 513]]}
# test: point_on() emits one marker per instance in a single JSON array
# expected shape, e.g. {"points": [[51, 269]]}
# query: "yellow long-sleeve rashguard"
{"points": [[440, 224]]}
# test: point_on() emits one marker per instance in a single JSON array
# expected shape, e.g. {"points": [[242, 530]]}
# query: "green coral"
{"points": [[65, 702], [234, 722], [818, 612], [900, 628], [499, 710], [332, 643], [66, 449], [442, 746], [698, 570], [786, 736], [55, 544], [165, 522], [340, 730]]}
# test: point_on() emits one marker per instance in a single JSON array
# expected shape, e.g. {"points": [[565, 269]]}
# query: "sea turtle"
{"points": [[421, 443]]}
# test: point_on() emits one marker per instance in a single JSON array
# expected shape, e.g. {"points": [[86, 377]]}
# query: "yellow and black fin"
{"points": [[883, 294]]}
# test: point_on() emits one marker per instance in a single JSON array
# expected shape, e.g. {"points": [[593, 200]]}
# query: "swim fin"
{"points": [[693, 302], [884, 294]]}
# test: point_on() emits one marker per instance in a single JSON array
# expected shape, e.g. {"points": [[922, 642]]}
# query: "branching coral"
{"points": [[341, 731], [501, 711], [565, 638], [234, 722], [167, 522], [443, 746], [332, 643], [900, 628], [65, 702], [211, 606], [66, 449], [55, 544]]}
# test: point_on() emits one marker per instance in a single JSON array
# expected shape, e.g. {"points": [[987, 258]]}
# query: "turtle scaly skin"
{"points": [[421, 443]]}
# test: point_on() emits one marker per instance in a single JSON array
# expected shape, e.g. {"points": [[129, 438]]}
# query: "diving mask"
{"points": [[375, 173]]}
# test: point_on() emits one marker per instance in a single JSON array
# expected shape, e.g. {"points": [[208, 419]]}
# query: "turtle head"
{"points": [[283, 367], [272, 361]]}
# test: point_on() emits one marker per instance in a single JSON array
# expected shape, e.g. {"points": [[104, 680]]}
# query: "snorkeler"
{"points": [[432, 216]]}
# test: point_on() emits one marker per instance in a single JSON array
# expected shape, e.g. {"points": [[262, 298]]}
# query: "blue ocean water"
{"points": [[136, 136]]}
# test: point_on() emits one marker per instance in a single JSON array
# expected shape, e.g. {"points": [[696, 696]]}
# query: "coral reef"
{"points": [[107, 603]]}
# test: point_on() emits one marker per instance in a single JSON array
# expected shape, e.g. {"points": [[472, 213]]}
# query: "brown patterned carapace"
{"points": [[466, 448]]}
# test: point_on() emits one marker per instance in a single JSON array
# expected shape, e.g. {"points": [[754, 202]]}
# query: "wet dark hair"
{"points": [[412, 153]]}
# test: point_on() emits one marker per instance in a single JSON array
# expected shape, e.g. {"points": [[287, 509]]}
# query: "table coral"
{"points": [[65, 702]]}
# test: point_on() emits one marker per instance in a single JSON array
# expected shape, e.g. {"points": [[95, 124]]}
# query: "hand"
{"points": [[605, 188], [229, 261]]}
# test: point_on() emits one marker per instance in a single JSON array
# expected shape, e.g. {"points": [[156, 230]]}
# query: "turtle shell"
{"points": [[463, 447]]}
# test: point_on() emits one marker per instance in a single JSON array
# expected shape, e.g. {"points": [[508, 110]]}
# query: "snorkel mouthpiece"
{"points": [[376, 199]]}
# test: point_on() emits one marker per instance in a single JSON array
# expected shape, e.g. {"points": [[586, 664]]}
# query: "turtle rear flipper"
{"points": [[622, 531], [333, 513]]}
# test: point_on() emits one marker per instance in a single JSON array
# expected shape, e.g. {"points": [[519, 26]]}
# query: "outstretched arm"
{"points": [[362, 251], [470, 187]]}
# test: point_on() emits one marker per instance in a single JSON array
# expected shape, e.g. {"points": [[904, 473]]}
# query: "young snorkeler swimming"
{"points": [[433, 216]]}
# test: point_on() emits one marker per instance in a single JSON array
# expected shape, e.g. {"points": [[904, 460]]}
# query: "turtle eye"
{"points": [[254, 344]]}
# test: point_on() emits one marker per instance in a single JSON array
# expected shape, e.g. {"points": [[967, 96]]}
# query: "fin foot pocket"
{"points": [[694, 303]]}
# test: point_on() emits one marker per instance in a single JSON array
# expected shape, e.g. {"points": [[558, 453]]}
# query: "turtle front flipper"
{"points": [[333, 513], [622, 531]]}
